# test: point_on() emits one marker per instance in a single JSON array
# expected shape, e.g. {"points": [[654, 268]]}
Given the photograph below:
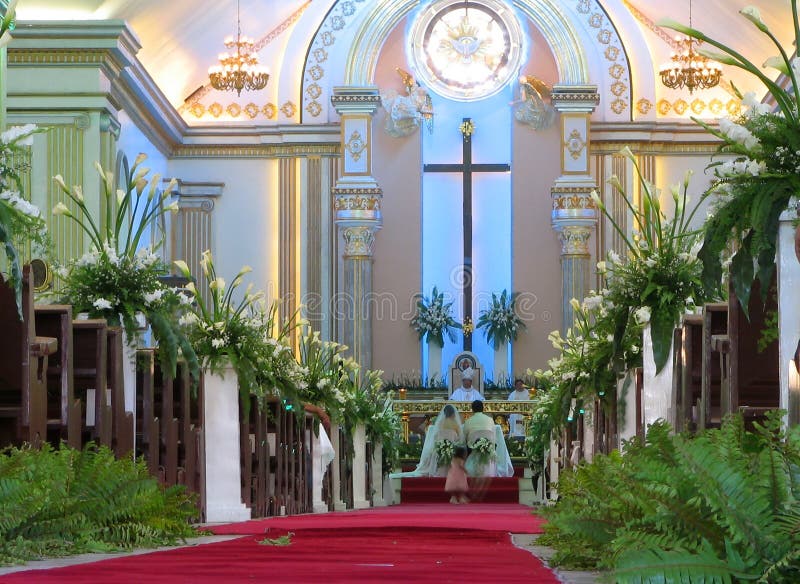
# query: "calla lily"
{"points": [[172, 207], [778, 63], [183, 267], [99, 170], [752, 14], [140, 185], [217, 284], [139, 159], [190, 286], [575, 304], [77, 192], [61, 209], [173, 182], [153, 185], [120, 196], [59, 180]]}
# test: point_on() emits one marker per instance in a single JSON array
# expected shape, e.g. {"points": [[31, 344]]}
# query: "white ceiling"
{"points": [[181, 38]]}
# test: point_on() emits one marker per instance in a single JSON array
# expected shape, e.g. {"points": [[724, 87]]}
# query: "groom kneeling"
{"points": [[488, 453]]}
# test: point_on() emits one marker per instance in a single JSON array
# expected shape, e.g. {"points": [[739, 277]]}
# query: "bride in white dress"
{"points": [[446, 427]]}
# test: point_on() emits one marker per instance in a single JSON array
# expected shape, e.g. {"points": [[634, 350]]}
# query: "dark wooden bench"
{"points": [[23, 369], [715, 323], [90, 354], [690, 375]]}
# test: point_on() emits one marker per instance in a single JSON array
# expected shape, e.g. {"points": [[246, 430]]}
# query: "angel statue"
{"points": [[405, 113], [532, 109]]}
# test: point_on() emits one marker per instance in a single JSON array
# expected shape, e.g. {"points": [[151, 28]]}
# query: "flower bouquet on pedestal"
{"points": [[500, 322], [117, 279], [20, 221], [242, 334], [758, 184], [434, 319]]}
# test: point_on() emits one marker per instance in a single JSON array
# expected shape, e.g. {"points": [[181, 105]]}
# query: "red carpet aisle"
{"points": [[413, 543]]}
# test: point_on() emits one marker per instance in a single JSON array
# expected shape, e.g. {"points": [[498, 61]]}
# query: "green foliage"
{"points": [[281, 541], [65, 501], [719, 507]]}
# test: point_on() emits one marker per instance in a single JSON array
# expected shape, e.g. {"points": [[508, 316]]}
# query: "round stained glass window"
{"points": [[466, 50]]}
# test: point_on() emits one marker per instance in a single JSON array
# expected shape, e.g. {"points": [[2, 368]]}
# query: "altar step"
{"points": [[431, 490]]}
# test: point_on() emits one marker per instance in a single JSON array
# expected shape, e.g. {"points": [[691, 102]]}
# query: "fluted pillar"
{"points": [[357, 202], [574, 215]]}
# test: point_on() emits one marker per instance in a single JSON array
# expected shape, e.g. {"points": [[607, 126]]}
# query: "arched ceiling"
{"points": [[181, 38]]}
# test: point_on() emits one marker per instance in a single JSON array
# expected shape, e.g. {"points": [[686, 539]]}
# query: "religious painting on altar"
{"points": [[468, 54]]}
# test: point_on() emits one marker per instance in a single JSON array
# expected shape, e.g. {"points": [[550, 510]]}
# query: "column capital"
{"points": [[575, 98], [356, 100], [574, 239], [357, 204], [359, 240], [573, 205]]}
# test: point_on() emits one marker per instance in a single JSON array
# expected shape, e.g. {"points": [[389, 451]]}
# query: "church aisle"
{"points": [[412, 543]]}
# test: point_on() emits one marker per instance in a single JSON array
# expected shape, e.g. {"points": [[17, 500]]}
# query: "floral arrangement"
{"points": [[7, 23], [444, 452], [243, 333], [660, 277], [764, 174], [327, 377], [119, 278], [434, 319], [484, 450], [500, 322], [19, 219]]}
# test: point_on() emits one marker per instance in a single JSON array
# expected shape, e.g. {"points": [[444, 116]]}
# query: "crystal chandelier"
{"points": [[239, 70], [688, 69]]}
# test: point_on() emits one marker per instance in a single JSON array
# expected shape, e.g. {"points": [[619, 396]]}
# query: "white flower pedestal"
{"points": [[626, 406], [129, 369], [657, 396], [323, 456], [336, 478], [360, 467], [788, 314], [434, 361], [222, 445], [500, 363], [377, 476]]}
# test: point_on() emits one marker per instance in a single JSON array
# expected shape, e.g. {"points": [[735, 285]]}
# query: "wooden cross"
{"points": [[466, 168]]}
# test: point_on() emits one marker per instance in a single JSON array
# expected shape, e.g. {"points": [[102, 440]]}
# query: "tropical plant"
{"points": [[758, 184], [434, 319], [722, 506], [500, 322], [660, 276], [119, 277], [19, 219], [245, 334], [56, 502]]}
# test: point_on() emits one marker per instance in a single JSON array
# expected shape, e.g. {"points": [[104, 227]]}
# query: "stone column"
{"points": [[357, 202], [574, 215]]}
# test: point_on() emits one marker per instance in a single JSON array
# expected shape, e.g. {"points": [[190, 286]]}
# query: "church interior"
{"points": [[261, 245]]}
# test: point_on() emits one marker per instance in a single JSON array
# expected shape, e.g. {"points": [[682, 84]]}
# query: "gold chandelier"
{"points": [[239, 70], [687, 68]]}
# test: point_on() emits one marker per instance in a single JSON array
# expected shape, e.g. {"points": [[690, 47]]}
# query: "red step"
{"points": [[431, 490]]}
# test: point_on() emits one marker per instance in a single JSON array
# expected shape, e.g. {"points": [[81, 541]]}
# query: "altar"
{"points": [[416, 412]]}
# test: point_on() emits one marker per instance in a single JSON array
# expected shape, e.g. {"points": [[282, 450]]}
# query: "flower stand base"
{"points": [[788, 316], [377, 476], [657, 395], [434, 361], [222, 448], [626, 406], [501, 369], [359, 468]]}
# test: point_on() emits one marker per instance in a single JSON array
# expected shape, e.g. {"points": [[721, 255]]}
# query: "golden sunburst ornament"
{"points": [[463, 42]]}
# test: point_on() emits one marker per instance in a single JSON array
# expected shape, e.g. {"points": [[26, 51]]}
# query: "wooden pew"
{"points": [[691, 372], [754, 375], [90, 357], [122, 429], [23, 369], [64, 412], [715, 322]]}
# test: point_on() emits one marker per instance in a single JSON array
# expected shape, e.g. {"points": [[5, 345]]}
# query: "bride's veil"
{"points": [[428, 466]]}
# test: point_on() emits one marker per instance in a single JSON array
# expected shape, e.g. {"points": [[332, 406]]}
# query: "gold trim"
{"points": [[259, 151], [408, 406]]}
